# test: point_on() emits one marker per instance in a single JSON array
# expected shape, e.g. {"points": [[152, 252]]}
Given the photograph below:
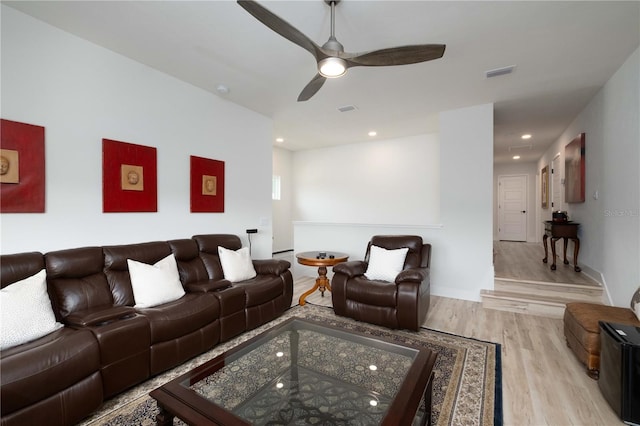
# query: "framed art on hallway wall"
{"points": [[544, 186], [574, 166]]}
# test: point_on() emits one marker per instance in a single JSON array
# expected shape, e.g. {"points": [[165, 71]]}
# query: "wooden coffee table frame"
{"points": [[176, 400], [312, 258]]}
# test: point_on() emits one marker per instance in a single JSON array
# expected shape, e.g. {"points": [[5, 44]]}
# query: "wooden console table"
{"points": [[567, 231]]}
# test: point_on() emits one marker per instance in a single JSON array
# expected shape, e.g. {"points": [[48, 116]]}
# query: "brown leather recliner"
{"points": [[180, 329], [52, 380], [267, 295], [400, 304]]}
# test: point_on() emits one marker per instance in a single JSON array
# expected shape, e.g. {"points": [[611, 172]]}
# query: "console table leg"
{"points": [[546, 252], [566, 241], [553, 253], [576, 249]]}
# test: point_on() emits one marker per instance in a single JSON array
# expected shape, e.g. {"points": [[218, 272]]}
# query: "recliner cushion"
{"points": [[261, 289], [412, 242], [77, 281], [175, 319], [42, 368], [117, 270], [372, 292], [208, 246]]}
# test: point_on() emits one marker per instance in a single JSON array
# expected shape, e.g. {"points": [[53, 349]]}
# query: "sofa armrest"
{"points": [[99, 316], [412, 275], [206, 286], [271, 266], [351, 269]]}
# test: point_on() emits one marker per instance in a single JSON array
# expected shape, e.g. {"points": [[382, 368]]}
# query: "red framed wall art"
{"points": [[129, 177], [22, 168], [574, 169], [207, 185]]}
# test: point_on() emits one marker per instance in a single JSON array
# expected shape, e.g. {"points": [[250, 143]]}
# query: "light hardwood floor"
{"points": [[542, 381], [523, 261]]}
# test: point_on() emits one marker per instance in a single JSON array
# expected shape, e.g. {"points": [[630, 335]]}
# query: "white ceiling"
{"points": [[563, 52]]}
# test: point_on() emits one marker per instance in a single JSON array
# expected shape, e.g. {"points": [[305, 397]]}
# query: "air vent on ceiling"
{"points": [[528, 146], [500, 71], [347, 108]]}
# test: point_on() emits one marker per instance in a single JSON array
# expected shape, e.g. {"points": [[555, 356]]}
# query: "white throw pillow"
{"points": [[236, 265], [155, 284], [385, 264], [635, 303], [26, 311]]}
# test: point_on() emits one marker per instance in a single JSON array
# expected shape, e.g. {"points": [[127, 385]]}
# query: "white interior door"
{"points": [[512, 208]]}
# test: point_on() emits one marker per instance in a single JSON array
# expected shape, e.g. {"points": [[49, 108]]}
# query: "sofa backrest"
{"points": [[208, 247], [190, 265], [415, 256], [76, 280], [90, 277], [117, 270], [16, 267]]}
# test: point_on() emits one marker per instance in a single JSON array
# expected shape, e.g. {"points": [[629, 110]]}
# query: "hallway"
{"points": [[523, 261]]}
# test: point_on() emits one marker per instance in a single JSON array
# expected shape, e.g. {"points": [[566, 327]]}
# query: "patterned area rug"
{"points": [[467, 376]]}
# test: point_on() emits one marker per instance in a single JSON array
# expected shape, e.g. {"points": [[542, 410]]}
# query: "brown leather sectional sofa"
{"points": [[107, 345]]}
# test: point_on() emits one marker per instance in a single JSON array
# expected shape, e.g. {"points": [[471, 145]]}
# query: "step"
{"points": [[562, 291], [552, 307]]}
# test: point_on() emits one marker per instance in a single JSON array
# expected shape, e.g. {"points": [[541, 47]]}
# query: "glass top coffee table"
{"points": [[304, 372]]}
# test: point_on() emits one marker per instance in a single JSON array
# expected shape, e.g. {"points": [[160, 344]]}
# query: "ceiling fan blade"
{"points": [[403, 55], [311, 88], [281, 27]]}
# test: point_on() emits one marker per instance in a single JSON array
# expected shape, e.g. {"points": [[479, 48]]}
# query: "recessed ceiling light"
{"points": [[526, 136], [279, 140], [373, 133], [516, 157]]}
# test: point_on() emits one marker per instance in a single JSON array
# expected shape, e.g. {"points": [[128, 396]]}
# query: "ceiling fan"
{"points": [[331, 58]]}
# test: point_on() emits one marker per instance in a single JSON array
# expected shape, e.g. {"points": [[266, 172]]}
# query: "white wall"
{"points": [[282, 209], [367, 182], [82, 93], [455, 216], [533, 177], [610, 225], [466, 145]]}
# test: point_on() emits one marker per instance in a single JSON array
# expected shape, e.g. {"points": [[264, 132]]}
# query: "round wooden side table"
{"points": [[321, 259]]}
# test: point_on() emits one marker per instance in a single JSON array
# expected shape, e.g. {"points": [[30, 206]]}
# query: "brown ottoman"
{"points": [[583, 333]]}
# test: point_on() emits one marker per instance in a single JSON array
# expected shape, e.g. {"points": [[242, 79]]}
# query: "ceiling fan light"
{"points": [[332, 67]]}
